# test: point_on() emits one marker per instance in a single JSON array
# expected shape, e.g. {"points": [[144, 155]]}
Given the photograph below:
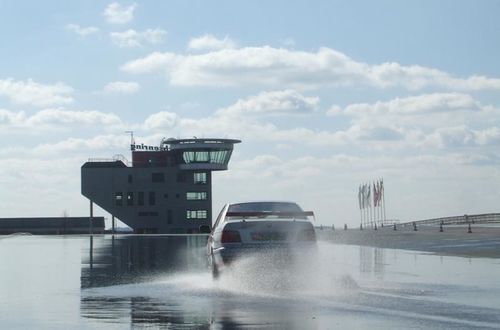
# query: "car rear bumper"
{"points": [[225, 255]]}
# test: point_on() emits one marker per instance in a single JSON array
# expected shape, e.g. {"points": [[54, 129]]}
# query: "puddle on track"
{"points": [[162, 281]]}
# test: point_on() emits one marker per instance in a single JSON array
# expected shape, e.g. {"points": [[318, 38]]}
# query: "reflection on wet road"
{"points": [[162, 281]]}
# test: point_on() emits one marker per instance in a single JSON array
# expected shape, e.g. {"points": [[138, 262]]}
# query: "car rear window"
{"points": [[265, 207]]}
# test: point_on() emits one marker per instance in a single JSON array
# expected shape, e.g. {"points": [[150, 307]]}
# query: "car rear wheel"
{"points": [[214, 268]]}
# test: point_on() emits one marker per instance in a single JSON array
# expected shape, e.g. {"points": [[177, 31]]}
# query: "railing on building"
{"points": [[115, 158]]}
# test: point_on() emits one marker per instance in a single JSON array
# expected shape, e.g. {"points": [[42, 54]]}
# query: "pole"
{"points": [[383, 204], [365, 212], [91, 252], [112, 224], [369, 209], [91, 222], [379, 213]]}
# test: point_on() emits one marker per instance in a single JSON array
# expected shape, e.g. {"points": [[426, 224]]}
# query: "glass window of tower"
{"points": [[200, 178], [196, 214], [118, 198], [200, 195], [218, 156]]}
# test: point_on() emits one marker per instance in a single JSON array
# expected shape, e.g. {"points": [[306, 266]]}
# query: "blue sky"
{"points": [[324, 94]]}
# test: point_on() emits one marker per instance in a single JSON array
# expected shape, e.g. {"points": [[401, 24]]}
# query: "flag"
{"points": [[363, 196], [368, 196], [375, 195], [381, 189], [359, 197]]}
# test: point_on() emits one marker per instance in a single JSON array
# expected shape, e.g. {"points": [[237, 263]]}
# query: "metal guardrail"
{"points": [[115, 158], [460, 219]]}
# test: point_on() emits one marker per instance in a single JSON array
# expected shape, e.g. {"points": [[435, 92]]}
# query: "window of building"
{"points": [[196, 196], [218, 156], [170, 217], [140, 198], [200, 178], [152, 198], [202, 156], [118, 198], [130, 198], [158, 177], [196, 156], [165, 196], [130, 178], [196, 214]]}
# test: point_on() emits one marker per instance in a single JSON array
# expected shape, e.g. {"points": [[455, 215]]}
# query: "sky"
{"points": [[325, 96]]}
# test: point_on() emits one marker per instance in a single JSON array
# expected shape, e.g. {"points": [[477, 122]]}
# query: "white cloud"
{"points": [[123, 87], [270, 66], [418, 117], [272, 103], [462, 136], [30, 92], [254, 130], [421, 104], [10, 118], [132, 38], [102, 142], [344, 157], [334, 110], [403, 125], [210, 42], [57, 118], [161, 120], [118, 14], [489, 136], [152, 62], [82, 31]]}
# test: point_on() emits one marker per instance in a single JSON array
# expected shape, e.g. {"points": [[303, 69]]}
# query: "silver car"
{"points": [[242, 229]]}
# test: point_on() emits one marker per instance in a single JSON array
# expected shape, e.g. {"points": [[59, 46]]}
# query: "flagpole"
{"points": [[379, 215], [360, 202], [367, 211], [379, 211], [367, 214], [370, 211], [383, 197], [375, 209]]}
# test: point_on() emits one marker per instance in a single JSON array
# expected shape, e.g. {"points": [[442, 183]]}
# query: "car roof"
{"points": [[262, 201]]}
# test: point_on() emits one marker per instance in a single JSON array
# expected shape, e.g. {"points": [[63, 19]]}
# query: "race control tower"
{"points": [[166, 189]]}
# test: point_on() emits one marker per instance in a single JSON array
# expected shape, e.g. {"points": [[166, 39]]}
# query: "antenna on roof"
{"points": [[131, 136]]}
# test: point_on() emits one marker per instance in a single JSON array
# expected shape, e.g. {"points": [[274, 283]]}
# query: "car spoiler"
{"points": [[264, 213]]}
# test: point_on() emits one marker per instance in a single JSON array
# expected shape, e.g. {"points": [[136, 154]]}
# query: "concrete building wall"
{"points": [[51, 226], [166, 214]]}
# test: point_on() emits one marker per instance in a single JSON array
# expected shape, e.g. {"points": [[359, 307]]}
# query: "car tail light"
{"points": [[307, 235], [230, 236]]}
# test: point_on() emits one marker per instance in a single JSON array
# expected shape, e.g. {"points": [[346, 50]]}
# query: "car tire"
{"points": [[214, 268]]}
